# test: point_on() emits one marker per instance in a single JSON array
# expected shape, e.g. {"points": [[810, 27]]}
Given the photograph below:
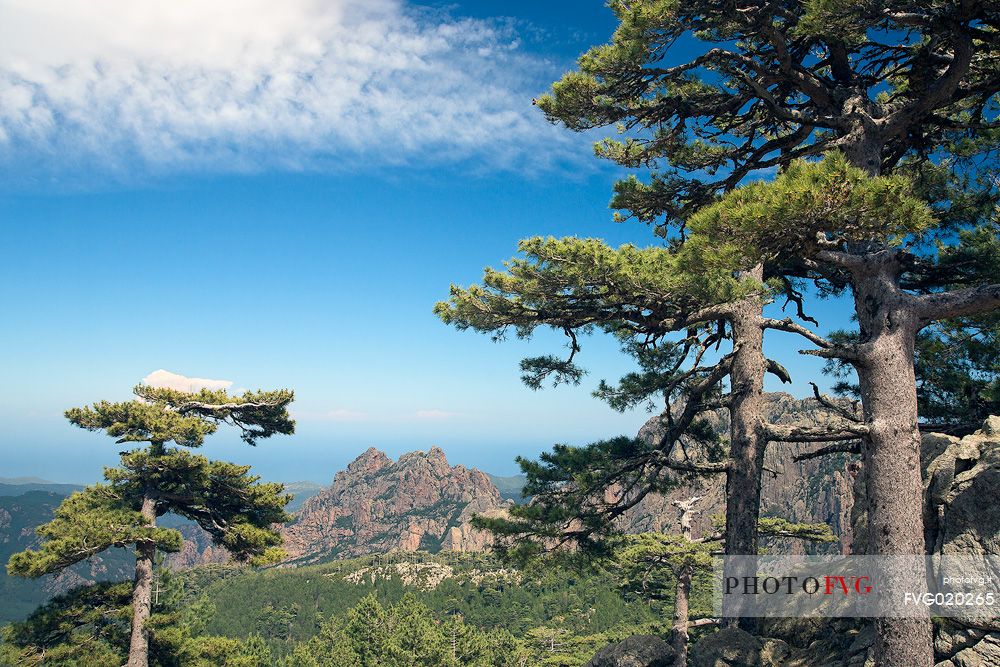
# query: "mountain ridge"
{"points": [[418, 502]]}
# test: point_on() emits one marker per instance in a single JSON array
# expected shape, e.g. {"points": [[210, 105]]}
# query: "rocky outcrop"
{"points": [[419, 502], [196, 549], [730, 647], [811, 491], [635, 651], [961, 517]]}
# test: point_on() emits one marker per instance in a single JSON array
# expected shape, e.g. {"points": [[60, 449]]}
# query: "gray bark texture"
{"points": [[142, 592], [748, 436], [679, 632], [892, 451]]}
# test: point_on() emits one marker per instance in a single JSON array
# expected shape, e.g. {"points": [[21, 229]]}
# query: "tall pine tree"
{"points": [[236, 509], [707, 93]]}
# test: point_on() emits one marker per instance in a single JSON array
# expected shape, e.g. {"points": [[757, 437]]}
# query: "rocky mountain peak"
{"points": [[372, 460], [375, 505]]}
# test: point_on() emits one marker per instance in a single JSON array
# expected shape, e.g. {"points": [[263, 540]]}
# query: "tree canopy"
{"points": [[237, 510]]}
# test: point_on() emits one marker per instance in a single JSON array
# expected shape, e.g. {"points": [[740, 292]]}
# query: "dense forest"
{"points": [[419, 609]]}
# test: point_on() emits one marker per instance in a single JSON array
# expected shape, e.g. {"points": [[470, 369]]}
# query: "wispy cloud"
{"points": [[168, 380], [246, 85]]}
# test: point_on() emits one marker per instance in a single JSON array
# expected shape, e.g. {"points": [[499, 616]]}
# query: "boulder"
{"points": [[730, 647], [985, 653], [635, 651]]}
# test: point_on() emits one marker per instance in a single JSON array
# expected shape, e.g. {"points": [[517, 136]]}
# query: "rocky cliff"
{"points": [[961, 479], [811, 491], [377, 505]]}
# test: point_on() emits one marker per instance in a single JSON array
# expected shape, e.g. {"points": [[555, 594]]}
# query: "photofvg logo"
{"points": [[858, 586], [792, 585]]}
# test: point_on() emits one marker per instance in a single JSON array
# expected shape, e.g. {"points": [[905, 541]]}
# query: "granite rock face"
{"points": [[962, 517], [730, 647], [961, 479], [376, 505], [812, 491], [196, 549]]}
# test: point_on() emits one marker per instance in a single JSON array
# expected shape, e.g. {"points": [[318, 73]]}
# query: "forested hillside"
{"points": [[557, 615]]}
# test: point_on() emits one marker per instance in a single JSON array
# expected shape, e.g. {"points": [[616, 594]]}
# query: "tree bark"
{"points": [[142, 591], [679, 632], [747, 436], [888, 321]]}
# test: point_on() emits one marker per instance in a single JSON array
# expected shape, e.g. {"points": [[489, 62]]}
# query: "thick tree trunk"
{"points": [[747, 435], [138, 651], [892, 451]]}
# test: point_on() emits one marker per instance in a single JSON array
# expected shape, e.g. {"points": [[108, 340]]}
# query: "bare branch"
{"points": [[788, 325], [786, 433], [701, 468], [842, 259], [776, 369], [838, 409], [853, 447]]}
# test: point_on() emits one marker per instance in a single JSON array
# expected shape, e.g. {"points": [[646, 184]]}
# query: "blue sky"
{"points": [[280, 203]]}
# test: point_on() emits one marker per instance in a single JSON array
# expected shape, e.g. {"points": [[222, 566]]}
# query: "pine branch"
{"points": [[958, 303], [785, 433], [848, 447], [791, 327]]}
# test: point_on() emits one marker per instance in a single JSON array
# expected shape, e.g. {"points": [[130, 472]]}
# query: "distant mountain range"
{"points": [[16, 486], [511, 487]]}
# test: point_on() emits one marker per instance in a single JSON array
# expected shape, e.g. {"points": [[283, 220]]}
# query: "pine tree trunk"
{"points": [[892, 451], [889, 401], [747, 436], [679, 632], [138, 651]]}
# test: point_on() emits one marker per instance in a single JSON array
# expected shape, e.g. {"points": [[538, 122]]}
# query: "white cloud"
{"points": [[434, 414], [167, 380], [245, 85]]}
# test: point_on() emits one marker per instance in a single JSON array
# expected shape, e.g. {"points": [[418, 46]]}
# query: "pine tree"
{"points": [[236, 509], [369, 632], [671, 308], [894, 86], [418, 640]]}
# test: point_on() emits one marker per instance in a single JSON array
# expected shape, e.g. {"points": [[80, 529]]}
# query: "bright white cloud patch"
{"points": [[167, 380], [244, 85]]}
